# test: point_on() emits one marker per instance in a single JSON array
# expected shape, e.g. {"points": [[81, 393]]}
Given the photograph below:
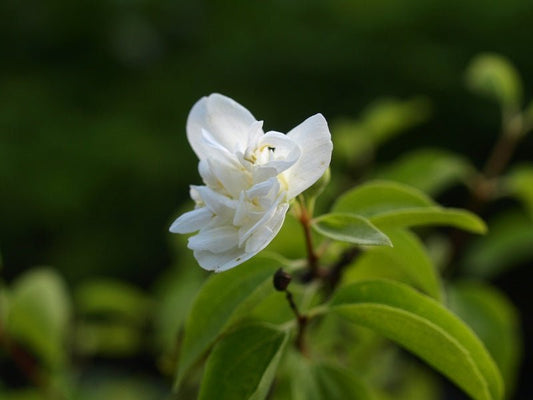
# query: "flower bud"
{"points": [[281, 280]]}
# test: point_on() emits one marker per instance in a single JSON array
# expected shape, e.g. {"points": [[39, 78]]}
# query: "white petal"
{"points": [[216, 240], [232, 179], [243, 236], [216, 202], [262, 189], [223, 261], [207, 175], [228, 123], [191, 221], [285, 152], [314, 139], [265, 233]]}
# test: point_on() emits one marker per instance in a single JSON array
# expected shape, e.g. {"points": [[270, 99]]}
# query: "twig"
{"points": [[312, 258], [281, 282]]}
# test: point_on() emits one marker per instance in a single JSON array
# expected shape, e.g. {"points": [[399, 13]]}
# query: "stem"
{"points": [[501, 154], [484, 187], [335, 272], [25, 363], [312, 258], [302, 323]]}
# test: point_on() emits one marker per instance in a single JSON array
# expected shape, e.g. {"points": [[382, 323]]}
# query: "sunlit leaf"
{"points": [[431, 216], [424, 327], [39, 314], [350, 228], [243, 364], [407, 261], [429, 170], [222, 300], [391, 204], [495, 320], [494, 76], [378, 197], [508, 243]]}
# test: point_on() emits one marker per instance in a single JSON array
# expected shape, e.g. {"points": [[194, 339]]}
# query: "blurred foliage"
{"points": [[94, 164]]}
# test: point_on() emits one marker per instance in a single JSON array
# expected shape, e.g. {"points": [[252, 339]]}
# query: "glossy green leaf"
{"points": [[222, 300], [519, 182], [495, 320], [457, 218], [350, 228], [407, 261], [391, 204], [243, 363], [424, 327], [494, 76], [39, 314], [429, 170], [378, 197], [507, 244]]}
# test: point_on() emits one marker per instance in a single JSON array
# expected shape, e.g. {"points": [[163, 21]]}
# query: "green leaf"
{"points": [[311, 380], [243, 364], [495, 320], [424, 327], [174, 292], [110, 338], [378, 197], [431, 216], [356, 140], [528, 117], [519, 182], [106, 297], [39, 314], [429, 170], [507, 244], [388, 117], [350, 228], [495, 77], [223, 299], [391, 204], [407, 261]]}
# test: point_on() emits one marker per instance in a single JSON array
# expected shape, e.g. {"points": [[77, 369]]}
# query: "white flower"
{"points": [[249, 176]]}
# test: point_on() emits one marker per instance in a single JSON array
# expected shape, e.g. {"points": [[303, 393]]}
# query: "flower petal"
{"points": [[216, 240], [314, 140], [228, 123], [265, 233], [191, 221], [223, 261]]}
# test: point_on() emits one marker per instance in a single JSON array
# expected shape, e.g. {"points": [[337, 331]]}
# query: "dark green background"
{"points": [[94, 162]]}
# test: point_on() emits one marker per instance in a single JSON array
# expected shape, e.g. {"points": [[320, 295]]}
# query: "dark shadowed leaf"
{"points": [[243, 364], [222, 300]]}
